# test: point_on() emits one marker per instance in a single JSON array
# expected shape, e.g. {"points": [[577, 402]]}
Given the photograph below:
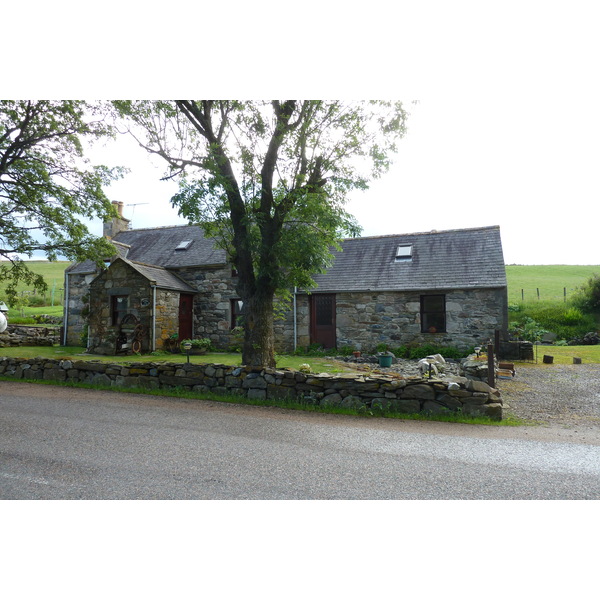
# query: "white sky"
{"points": [[506, 130]]}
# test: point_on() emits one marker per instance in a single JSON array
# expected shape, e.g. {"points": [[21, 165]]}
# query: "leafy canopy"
{"points": [[269, 180], [46, 183]]}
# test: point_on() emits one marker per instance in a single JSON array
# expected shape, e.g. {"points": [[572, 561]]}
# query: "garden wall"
{"points": [[29, 335], [406, 395]]}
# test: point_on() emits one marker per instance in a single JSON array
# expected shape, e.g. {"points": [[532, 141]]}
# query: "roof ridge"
{"points": [[159, 227], [431, 232]]}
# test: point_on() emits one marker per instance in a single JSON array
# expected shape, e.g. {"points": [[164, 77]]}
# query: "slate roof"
{"points": [[157, 247], [452, 259], [441, 260], [160, 277]]}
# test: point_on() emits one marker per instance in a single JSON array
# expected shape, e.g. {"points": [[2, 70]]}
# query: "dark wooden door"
{"points": [[322, 320], [186, 317]]}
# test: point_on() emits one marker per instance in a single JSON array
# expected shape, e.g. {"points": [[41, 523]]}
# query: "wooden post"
{"points": [[491, 372]]}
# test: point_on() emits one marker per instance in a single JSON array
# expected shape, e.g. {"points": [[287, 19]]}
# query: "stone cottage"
{"points": [[171, 283]]}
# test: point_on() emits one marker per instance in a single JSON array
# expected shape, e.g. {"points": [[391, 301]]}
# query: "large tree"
{"points": [[46, 184], [268, 181]]}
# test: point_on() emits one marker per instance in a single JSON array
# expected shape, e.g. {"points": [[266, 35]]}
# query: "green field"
{"points": [[54, 275], [524, 281]]}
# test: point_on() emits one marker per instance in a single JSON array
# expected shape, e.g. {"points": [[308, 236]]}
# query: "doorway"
{"points": [[322, 320], [186, 316]]}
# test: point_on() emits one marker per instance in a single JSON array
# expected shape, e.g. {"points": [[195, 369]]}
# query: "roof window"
{"points": [[404, 253], [184, 245]]}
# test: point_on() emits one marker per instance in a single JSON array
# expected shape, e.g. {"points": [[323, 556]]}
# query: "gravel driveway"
{"points": [[563, 395]]}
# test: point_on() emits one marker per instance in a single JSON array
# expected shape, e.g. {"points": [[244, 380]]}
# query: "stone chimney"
{"points": [[116, 224]]}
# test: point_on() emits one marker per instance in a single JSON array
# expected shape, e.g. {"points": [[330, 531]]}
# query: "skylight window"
{"points": [[404, 253], [184, 245]]}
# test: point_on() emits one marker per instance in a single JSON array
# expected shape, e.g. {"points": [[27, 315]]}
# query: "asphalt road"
{"points": [[62, 443]]}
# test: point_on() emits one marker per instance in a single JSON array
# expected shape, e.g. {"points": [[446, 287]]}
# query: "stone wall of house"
{"points": [[76, 307], [123, 280], [212, 304], [365, 319], [405, 395], [29, 335], [167, 317]]}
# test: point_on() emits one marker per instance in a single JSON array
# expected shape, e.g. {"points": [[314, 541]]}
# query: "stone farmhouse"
{"points": [[171, 283]]}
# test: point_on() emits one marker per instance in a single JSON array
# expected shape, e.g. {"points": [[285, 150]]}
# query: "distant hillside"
{"points": [[53, 273], [551, 280]]}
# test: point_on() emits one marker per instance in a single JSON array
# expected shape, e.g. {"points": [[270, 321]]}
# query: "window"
{"points": [[184, 245], [237, 317], [433, 313], [119, 306], [404, 253]]}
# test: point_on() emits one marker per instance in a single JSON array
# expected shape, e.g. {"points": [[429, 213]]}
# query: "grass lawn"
{"points": [[563, 355], [318, 365]]}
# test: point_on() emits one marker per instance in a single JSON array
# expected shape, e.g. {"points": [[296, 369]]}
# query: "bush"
{"points": [[567, 321], [198, 344], [587, 297]]}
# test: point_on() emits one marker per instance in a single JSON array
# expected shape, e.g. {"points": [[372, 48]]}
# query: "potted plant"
{"points": [[385, 358]]}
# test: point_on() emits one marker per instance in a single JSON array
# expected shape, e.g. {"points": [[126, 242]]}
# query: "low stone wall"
{"points": [[29, 335], [406, 395]]}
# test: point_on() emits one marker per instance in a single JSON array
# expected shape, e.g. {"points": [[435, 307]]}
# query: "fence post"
{"points": [[491, 373]]}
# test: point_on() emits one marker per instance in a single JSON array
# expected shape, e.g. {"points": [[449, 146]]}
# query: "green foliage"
{"points": [[46, 185], [198, 344], [268, 181], [421, 351], [535, 319], [587, 297], [526, 328]]}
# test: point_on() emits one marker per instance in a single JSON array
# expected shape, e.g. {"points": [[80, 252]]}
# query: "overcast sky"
{"points": [[506, 130]]}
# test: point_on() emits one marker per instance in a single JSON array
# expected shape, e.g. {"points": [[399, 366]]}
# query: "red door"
{"points": [[322, 320], [186, 316]]}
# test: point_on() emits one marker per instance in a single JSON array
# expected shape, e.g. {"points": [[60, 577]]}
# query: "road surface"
{"points": [[63, 443]]}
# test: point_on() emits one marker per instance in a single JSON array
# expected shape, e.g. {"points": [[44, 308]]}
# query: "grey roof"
{"points": [[452, 259], [160, 277], [157, 247]]}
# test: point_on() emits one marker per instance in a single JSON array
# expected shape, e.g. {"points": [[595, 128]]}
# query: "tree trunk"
{"points": [[259, 340]]}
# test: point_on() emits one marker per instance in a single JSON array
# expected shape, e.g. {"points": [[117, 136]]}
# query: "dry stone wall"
{"points": [[29, 335], [404, 395]]}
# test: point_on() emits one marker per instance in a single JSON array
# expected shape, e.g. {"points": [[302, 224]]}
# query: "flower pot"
{"points": [[385, 361]]}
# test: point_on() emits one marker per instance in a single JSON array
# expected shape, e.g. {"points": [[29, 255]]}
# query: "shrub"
{"points": [[565, 320], [587, 297], [198, 344]]}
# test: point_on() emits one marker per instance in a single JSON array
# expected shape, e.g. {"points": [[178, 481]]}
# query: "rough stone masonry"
{"points": [[405, 395]]}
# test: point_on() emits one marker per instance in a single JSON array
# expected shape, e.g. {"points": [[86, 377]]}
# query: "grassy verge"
{"points": [[563, 355], [318, 365], [189, 396]]}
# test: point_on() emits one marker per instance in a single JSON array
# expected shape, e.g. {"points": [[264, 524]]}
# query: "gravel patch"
{"points": [[552, 395], [567, 395]]}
